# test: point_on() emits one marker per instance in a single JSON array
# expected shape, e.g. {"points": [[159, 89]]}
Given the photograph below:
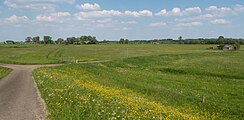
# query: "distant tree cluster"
{"points": [[123, 41], [36, 40], [69, 40], [180, 40], [219, 40], [81, 40]]}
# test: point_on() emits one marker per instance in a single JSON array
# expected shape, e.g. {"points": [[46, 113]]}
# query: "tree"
{"points": [[180, 38], [88, 40], [221, 40], [36, 39], [93, 40], [48, 40], [60, 41], [71, 40], [126, 41], [82, 39], [76, 41], [237, 46], [28, 39], [121, 41]]}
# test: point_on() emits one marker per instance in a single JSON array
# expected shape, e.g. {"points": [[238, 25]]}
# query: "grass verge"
{"points": [[4, 72]]}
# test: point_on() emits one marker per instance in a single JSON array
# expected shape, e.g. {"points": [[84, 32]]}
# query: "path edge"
{"points": [[44, 112]]}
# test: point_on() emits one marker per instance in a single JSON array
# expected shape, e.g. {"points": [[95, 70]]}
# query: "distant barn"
{"points": [[226, 47]]}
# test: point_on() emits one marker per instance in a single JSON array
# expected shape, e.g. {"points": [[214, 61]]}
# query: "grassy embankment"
{"points": [[4, 72], [170, 85]]}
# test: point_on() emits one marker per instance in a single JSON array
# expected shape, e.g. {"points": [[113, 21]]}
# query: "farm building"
{"points": [[226, 47]]}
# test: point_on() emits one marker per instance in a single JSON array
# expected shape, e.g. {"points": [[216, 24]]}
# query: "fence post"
{"points": [[203, 99]]}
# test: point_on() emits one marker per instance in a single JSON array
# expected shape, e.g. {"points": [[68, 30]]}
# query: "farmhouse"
{"points": [[226, 47]]}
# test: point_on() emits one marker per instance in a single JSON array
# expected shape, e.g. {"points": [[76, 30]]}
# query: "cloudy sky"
{"points": [[115, 19]]}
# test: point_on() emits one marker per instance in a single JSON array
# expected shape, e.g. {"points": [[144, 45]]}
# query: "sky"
{"points": [[115, 19]]}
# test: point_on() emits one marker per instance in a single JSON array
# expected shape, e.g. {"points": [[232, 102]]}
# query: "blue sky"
{"points": [[115, 19]]}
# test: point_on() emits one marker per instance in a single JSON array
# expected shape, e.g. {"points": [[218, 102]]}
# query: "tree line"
{"points": [[180, 40], [69, 40], [93, 40]]}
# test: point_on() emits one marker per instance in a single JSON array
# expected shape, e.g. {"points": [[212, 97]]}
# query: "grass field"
{"points": [[4, 72], [154, 82], [47, 54]]}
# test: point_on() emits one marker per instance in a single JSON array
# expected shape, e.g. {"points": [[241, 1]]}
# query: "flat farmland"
{"points": [[145, 82], [52, 54]]}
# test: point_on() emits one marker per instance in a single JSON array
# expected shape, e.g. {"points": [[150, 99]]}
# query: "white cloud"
{"points": [[61, 14], [220, 11], [15, 19], [125, 28], [208, 16], [190, 24], [52, 16], [214, 15], [194, 10], [108, 20], [239, 8], [46, 5], [220, 21], [179, 12], [128, 22], [110, 13], [162, 13], [138, 13], [96, 14], [44, 18], [173, 12], [110, 23], [197, 18], [88, 6], [10, 4], [157, 24]]}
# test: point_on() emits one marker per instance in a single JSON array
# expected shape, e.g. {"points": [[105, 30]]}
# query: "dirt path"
{"points": [[19, 96]]}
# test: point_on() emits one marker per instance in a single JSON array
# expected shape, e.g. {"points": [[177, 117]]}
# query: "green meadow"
{"points": [[145, 82], [52, 54]]}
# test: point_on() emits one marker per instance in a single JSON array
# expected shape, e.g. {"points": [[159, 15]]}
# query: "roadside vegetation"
{"points": [[4, 72], [169, 82]]}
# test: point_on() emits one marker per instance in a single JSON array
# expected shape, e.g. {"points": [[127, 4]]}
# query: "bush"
{"points": [[237, 46]]}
